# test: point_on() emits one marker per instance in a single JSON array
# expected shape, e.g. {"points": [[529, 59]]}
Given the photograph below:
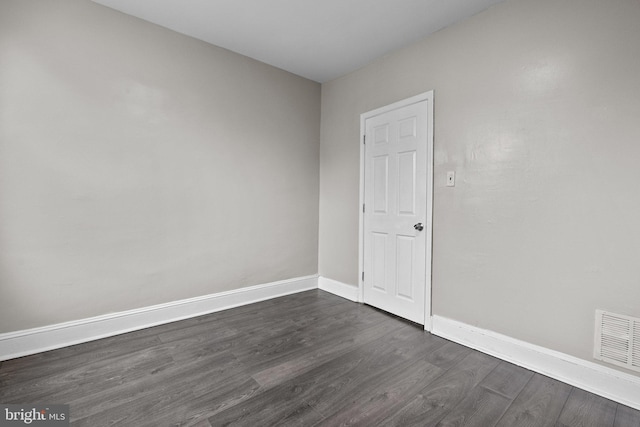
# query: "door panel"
{"points": [[407, 183], [379, 261], [395, 195], [381, 184], [404, 262]]}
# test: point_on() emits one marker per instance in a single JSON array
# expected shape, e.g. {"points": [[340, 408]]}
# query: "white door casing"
{"points": [[396, 219]]}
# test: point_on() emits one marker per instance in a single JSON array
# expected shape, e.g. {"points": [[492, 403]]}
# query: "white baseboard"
{"points": [[609, 383], [31, 341], [338, 288]]}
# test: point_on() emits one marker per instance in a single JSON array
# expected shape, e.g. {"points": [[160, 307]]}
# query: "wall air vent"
{"points": [[617, 340]]}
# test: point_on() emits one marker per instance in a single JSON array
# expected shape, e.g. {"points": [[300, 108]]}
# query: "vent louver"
{"points": [[617, 339]]}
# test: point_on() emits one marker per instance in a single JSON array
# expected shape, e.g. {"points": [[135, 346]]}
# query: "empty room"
{"points": [[375, 213]]}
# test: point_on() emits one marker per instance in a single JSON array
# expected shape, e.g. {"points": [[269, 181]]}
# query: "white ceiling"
{"points": [[319, 40]]}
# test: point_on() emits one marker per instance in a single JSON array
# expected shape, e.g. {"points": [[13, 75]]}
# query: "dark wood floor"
{"points": [[305, 359]]}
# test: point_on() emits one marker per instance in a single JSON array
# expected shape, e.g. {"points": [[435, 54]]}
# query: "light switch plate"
{"points": [[451, 179]]}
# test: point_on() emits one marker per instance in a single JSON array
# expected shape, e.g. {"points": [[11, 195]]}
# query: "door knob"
{"points": [[418, 226]]}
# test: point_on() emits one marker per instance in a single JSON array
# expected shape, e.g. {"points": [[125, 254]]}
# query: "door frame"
{"points": [[428, 97]]}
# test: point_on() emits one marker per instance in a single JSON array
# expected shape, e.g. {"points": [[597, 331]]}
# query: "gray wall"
{"points": [[537, 107], [139, 166]]}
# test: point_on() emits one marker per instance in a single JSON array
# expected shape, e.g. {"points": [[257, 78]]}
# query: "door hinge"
{"points": [[363, 208], [363, 276], [364, 139]]}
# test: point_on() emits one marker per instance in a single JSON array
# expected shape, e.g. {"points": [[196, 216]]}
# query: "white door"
{"points": [[395, 218]]}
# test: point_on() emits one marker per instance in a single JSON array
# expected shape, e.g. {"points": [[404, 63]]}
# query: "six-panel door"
{"points": [[395, 204]]}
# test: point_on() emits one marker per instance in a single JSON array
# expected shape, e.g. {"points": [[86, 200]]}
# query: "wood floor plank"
{"points": [[170, 404], [291, 307], [480, 408], [339, 312], [328, 321], [206, 331], [65, 385], [277, 401], [507, 379], [355, 388], [587, 410], [538, 405], [334, 345], [216, 400], [199, 376], [200, 423], [627, 417], [310, 358], [436, 400], [296, 342], [42, 364], [412, 341], [369, 404], [270, 410], [448, 355], [266, 348], [123, 343]]}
